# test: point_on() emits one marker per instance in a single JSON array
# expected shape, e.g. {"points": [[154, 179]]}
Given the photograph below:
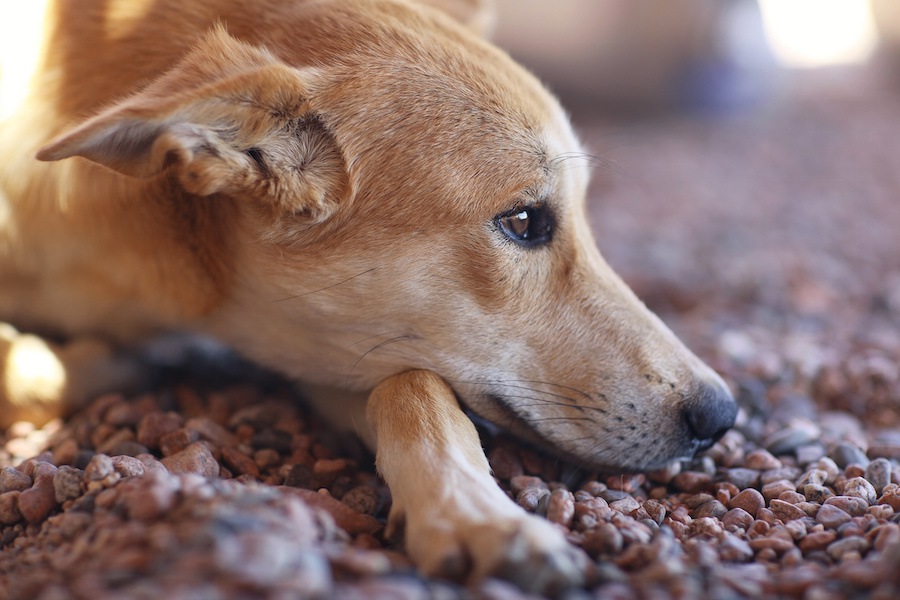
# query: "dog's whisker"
{"points": [[371, 337], [378, 346], [327, 287], [513, 382]]}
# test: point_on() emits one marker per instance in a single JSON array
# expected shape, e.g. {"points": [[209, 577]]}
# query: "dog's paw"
{"points": [[473, 541]]}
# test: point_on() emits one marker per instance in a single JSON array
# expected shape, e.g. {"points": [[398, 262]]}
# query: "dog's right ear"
{"points": [[230, 118], [478, 15]]}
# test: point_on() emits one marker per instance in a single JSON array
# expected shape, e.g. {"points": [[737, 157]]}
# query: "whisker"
{"points": [[327, 287], [511, 382], [392, 340]]}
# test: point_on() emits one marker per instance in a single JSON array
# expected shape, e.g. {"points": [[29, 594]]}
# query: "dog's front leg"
{"points": [[457, 521]]}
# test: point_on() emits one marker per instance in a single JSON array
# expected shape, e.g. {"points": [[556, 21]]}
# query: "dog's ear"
{"points": [[231, 119], [478, 15]]}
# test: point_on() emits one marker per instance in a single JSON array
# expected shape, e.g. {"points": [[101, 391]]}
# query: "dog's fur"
{"points": [[321, 186]]}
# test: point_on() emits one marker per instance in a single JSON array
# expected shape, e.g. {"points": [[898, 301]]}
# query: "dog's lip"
{"points": [[519, 427]]}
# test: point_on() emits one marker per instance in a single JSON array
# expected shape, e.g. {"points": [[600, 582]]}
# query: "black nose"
{"points": [[710, 414]]}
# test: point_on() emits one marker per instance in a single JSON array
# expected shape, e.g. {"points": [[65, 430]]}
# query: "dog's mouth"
{"points": [[503, 415]]}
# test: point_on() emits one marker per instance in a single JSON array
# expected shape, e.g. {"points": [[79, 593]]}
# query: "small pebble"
{"points": [[799, 432], [859, 487], [68, 483], [776, 488], [750, 500], [761, 460], [196, 458], [878, 473], [853, 505], [839, 548], [13, 480], [785, 510], [845, 454], [832, 517], [561, 507]]}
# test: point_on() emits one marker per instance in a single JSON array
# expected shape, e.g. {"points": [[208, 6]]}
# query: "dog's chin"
{"points": [[506, 419]]}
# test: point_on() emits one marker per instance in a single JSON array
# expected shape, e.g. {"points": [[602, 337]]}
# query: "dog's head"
{"points": [[403, 195]]}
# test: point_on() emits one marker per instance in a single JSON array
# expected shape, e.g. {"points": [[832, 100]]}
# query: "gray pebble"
{"points": [[742, 478], [799, 432], [878, 473], [886, 444], [847, 454]]}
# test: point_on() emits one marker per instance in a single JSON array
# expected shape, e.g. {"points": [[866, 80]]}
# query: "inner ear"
{"points": [[301, 168]]}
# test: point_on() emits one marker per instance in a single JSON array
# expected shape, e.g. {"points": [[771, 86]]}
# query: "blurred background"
{"points": [[690, 54], [746, 183]]}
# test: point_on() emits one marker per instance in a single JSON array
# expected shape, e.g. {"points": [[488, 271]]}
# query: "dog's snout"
{"points": [[710, 414]]}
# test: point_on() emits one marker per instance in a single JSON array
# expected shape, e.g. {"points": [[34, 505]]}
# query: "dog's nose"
{"points": [[710, 414]]}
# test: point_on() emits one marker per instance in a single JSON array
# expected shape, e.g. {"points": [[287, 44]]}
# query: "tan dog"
{"points": [[364, 195]]}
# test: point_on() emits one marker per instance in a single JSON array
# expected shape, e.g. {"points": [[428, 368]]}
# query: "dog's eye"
{"points": [[528, 226]]}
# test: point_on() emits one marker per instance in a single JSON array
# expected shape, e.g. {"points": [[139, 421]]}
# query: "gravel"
{"points": [[768, 243]]}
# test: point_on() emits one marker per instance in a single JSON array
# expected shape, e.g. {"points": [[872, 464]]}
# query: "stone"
{"points": [[68, 483], [176, 441], [239, 462], [799, 432], [12, 479], [845, 454], [154, 425], [692, 482], [9, 507], [785, 510], [734, 549], [561, 507], [363, 499], [750, 500], [853, 505], [837, 549], [832, 517], [859, 487], [878, 473], [776, 488], [711, 508], [505, 463], [817, 540], [36, 503], [761, 460], [817, 493], [742, 478], [737, 517], [196, 458], [211, 431], [605, 540], [128, 466]]}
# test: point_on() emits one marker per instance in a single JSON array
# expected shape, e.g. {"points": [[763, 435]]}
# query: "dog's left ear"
{"points": [[229, 119]]}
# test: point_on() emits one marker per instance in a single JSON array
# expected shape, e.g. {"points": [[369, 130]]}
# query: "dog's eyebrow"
{"points": [[327, 287]]}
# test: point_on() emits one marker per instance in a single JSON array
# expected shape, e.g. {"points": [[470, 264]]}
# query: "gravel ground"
{"points": [[768, 242]]}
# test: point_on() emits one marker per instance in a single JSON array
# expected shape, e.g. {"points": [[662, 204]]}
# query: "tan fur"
{"points": [[316, 183]]}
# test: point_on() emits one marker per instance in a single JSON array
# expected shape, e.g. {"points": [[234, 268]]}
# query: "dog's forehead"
{"points": [[468, 127]]}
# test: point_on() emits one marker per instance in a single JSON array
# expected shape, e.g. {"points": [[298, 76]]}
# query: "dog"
{"points": [[364, 195]]}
